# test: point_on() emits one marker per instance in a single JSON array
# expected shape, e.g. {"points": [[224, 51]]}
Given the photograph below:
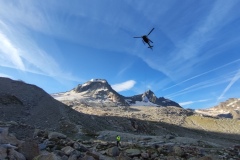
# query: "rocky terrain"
{"points": [[45, 145], [33, 125], [227, 109]]}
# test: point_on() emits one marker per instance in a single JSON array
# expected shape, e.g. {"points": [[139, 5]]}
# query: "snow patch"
{"points": [[98, 80], [141, 103]]}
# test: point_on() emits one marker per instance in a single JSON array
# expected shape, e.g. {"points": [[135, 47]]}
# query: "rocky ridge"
{"points": [[227, 109]]}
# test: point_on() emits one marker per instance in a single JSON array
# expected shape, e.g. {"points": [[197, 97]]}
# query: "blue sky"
{"points": [[58, 44]]}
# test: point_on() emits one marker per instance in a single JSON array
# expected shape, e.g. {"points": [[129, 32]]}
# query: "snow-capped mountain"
{"points": [[149, 98], [98, 92], [94, 92], [227, 109]]}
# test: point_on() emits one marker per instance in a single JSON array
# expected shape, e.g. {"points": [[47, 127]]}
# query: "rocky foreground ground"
{"points": [[137, 142], [46, 145]]}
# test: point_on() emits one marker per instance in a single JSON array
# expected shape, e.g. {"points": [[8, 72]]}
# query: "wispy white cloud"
{"points": [[124, 69], [19, 51], [10, 54], [27, 13], [204, 84], [199, 75], [192, 102], [186, 103], [233, 80], [124, 86]]}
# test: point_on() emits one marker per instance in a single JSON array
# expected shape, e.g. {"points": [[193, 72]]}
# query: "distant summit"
{"points": [[97, 92], [227, 109], [148, 98]]}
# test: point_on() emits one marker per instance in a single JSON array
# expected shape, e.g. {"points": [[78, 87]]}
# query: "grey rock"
{"points": [[48, 156], [67, 150], [91, 154], [87, 157], [133, 152], [15, 155], [6, 138], [42, 146], [178, 151], [3, 152], [114, 151], [56, 135], [73, 157], [145, 155], [29, 149], [123, 157]]}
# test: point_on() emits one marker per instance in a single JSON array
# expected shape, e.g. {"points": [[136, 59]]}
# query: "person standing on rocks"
{"points": [[118, 140]]}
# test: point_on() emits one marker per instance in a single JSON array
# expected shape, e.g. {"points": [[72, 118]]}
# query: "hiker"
{"points": [[118, 140]]}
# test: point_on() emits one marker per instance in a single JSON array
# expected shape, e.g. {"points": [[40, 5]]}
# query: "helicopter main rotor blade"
{"points": [[137, 37], [151, 31]]}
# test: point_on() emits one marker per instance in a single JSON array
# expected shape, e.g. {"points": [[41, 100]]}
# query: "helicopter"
{"points": [[145, 39]]}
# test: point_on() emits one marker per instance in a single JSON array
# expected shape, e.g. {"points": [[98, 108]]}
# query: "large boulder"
{"points": [[29, 149], [6, 138], [114, 151], [56, 135], [15, 155], [48, 156], [133, 152], [3, 152]]}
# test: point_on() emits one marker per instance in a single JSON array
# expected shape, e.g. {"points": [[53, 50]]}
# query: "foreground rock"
{"points": [[42, 146]]}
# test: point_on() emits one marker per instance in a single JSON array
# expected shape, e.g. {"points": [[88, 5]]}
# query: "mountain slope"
{"points": [[30, 105], [227, 109]]}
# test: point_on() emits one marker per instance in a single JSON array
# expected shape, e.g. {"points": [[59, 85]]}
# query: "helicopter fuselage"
{"points": [[145, 38]]}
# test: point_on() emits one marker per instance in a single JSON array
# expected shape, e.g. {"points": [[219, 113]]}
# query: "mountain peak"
{"points": [[149, 99], [99, 80], [149, 92], [97, 89], [93, 84]]}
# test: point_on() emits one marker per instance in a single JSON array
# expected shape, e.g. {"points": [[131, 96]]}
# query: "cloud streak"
{"points": [[204, 84], [199, 75], [19, 51], [10, 54], [233, 80], [124, 86], [192, 102]]}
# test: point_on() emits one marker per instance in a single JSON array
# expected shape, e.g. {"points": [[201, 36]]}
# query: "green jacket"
{"points": [[118, 138]]}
